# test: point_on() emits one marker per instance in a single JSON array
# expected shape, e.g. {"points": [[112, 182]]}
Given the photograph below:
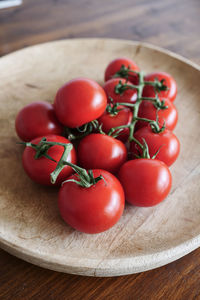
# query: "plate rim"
{"points": [[166, 51], [170, 254], [175, 251]]}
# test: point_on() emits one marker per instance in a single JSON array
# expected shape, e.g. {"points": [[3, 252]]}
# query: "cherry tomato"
{"points": [[169, 81], [166, 142], [146, 182], [39, 170], [94, 209], [100, 151], [79, 101], [129, 96], [169, 116], [115, 65], [123, 117], [37, 119]]}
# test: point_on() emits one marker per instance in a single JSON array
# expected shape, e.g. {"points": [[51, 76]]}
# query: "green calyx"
{"points": [[158, 104], [159, 85], [125, 72], [120, 88], [85, 178], [41, 148], [112, 108], [80, 132]]}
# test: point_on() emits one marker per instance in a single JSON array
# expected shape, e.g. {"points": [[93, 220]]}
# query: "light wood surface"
{"points": [[145, 238]]}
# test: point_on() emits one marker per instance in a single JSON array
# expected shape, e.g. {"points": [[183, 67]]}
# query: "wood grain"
{"points": [[178, 281], [145, 20], [173, 24]]}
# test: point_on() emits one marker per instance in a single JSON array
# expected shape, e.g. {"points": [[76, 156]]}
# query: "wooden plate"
{"points": [[145, 238]]}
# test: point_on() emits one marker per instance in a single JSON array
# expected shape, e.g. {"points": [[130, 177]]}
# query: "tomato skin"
{"points": [[37, 119], [79, 101], [166, 141], [123, 117], [146, 182], [169, 116], [115, 65], [39, 170], [129, 96], [94, 209], [170, 94], [100, 151]]}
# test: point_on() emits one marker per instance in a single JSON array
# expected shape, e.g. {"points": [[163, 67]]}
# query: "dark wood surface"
{"points": [[173, 24]]}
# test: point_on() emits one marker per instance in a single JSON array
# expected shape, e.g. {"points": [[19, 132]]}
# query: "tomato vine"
{"points": [[120, 88]]}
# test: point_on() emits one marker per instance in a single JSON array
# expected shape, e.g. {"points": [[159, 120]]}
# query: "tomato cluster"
{"points": [[103, 144]]}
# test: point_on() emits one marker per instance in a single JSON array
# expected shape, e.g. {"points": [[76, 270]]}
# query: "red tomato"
{"points": [[100, 151], [166, 141], [129, 95], [39, 170], [123, 117], [169, 81], [115, 65], [147, 110], [94, 209], [79, 101], [146, 182], [37, 119]]}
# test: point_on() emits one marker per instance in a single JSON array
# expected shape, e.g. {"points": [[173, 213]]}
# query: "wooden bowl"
{"points": [[144, 238]]}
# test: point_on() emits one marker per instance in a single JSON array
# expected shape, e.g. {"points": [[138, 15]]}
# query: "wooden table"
{"points": [[173, 24]]}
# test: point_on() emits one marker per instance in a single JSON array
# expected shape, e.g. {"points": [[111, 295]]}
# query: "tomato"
{"points": [[169, 116], [39, 170], [100, 151], [79, 101], [115, 65], [169, 81], [146, 182], [123, 117], [37, 119], [166, 142], [129, 96], [94, 209]]}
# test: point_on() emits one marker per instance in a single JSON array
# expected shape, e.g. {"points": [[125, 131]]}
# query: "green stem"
{"points": [[136, 106], [154, 124], [131, 105], [157, 84], [156, 101], [60, 164], [86, 179], [148, 99], [137, 142], [144, 119], [117, 128]]}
